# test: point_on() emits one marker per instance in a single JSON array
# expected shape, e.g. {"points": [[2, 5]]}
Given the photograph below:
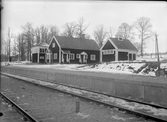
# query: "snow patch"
{"points": [[83, 115], [118, 118]]}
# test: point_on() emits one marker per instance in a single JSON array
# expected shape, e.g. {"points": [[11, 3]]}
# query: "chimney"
{"points": [[82, 36], [120, 38]]}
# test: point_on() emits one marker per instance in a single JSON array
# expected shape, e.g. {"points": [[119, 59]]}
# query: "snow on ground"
{"points": [[140, 68]]}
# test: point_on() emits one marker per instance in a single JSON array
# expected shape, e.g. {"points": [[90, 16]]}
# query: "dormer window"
{"points": [[53, 45], [120, 38]]}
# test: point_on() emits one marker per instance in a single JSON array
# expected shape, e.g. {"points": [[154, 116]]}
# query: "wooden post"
{"points": [[157, 51], [77, 106]]}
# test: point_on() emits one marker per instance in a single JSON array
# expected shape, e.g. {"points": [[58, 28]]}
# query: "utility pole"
{"points": [[157, 52]]}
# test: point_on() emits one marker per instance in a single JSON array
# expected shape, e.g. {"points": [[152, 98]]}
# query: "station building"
{"points": [[81, 50], [67, 50]]}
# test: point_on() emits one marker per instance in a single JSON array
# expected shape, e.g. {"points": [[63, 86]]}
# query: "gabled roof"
{"points": [[77, 43], [123, 44], [42, 44]]}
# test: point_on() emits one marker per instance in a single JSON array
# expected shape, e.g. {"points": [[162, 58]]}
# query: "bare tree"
{"points": [[28, 33], [53, 31], [14, 47], [44, 33], [111, 31], [100, 34], [37, 34], [70, 29], [87, 36], [143, 26], [125, 31], [7, 43], [81, 27], [4, 49], [20, 47]]}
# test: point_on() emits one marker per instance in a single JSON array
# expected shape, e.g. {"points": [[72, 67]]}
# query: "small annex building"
{"points": [[73, 50], [118, 49], [38, 52]]}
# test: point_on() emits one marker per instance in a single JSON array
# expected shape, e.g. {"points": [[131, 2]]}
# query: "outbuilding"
{"points": [[118, 49]]}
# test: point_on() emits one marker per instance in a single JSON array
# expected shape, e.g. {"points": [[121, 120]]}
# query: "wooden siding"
{"points": [[41, 57], [130, 57], [108, 58], [34, 57], [134, 56], [122, 56], [108, 45], [89, 52], [54, 50]]}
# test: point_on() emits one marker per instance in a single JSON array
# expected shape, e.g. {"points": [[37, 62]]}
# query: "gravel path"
{"points": [[51, 106]]}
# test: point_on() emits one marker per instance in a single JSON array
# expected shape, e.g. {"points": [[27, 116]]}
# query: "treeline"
{"points": [[20, 45]]}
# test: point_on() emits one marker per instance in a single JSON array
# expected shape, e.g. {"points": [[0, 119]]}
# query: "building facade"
{"points": [[118, 49], [67, 50], [38, 53], [73, 50]]}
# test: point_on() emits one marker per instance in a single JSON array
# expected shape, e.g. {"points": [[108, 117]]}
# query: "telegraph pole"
{"points": [[157, 52]]}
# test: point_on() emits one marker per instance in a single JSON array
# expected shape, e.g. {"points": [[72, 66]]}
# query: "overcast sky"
{"points": [[108, 13]]}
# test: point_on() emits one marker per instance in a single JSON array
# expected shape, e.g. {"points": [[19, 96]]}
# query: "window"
{"points": [[41, 57], [92, 57], [78, 55], [42, 50], [53, 45], [72, 56], [55, 55], [107, 52], [47, 56]]}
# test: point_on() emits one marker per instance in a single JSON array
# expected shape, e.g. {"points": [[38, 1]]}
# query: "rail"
{"points": [[19, 109]]}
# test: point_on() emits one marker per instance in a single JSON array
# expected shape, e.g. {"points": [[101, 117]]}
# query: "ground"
{"points": [[133, 68]]}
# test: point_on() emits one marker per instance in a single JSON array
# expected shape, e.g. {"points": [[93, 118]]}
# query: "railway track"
{"points": [[25, 115], [77, 93]]}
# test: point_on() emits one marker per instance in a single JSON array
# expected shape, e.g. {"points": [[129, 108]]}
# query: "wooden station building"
{"points": [[81, 50], [67, 50]]}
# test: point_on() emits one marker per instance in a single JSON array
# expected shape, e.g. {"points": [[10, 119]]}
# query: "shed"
{"points": [[118, 49]]}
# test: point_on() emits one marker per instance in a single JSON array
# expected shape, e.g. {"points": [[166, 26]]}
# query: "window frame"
{"points": [[55, 56], [53, 45], [77, 56], [93, 57], [47, 55], [108, 52], [72, 56]]}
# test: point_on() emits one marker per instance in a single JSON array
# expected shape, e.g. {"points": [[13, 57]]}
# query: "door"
{"points": [[65, 58]]}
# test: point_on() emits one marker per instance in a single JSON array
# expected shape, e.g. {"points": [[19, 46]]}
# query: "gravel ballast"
{"points": [[50, 106]]}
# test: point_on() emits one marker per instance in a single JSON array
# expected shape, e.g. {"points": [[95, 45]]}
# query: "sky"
{"points": [[17, 13]]}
